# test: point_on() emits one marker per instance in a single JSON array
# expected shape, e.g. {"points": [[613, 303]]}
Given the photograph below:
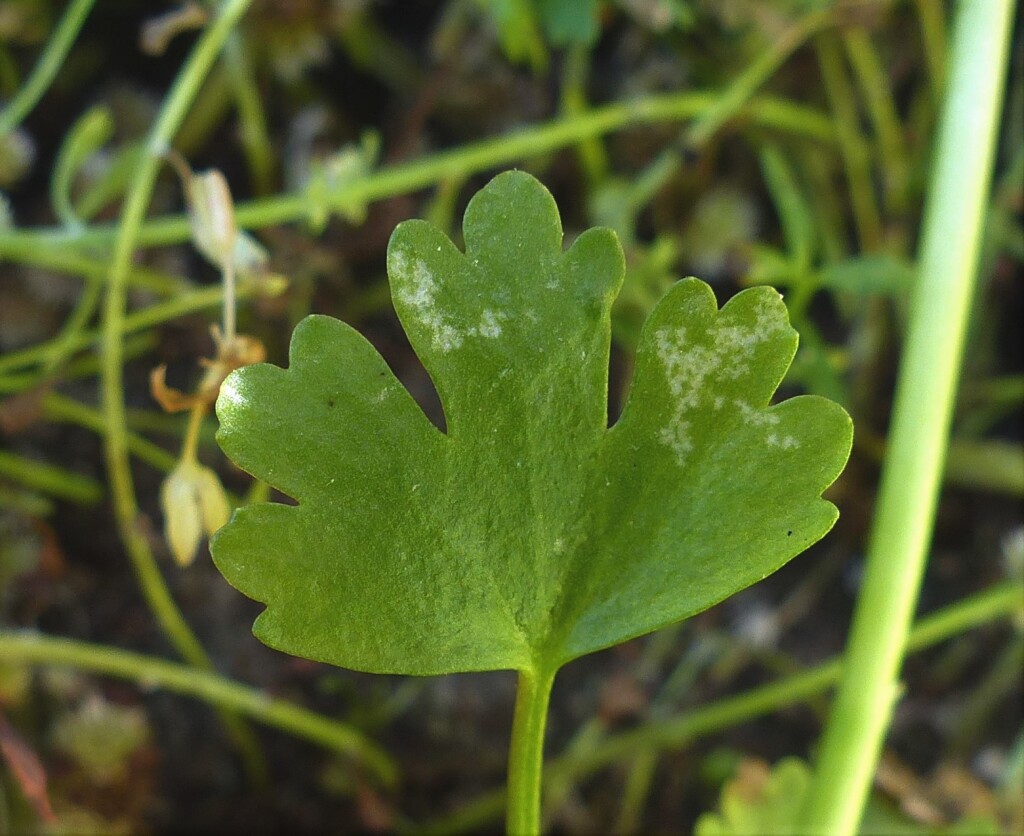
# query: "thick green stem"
{"points": [[526, 753], [921, 417]]}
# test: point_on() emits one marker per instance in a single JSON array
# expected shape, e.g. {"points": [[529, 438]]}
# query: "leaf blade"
{"points": [[530, 533]]}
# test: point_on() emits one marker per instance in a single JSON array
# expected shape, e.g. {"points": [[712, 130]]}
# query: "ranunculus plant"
{"points": [[527, 533]]}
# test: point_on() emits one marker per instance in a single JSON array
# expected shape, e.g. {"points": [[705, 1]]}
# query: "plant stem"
{"points": [[61, 347], [766, 111], [925, 392], [1001, 601], [592, 155], [190, 445], [874, 85], [729, 102], [31, 648], [931, 15], [852, 145], [68, 261], [526, 753], [57, 407], [50, 479], [47, 67], [152, 583], [259, 150], [140, 320]]}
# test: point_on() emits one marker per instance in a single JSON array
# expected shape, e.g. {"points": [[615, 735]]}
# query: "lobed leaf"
{"points": [[528, 533]]}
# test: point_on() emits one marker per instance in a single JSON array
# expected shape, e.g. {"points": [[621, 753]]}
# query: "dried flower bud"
{"points": [[194, 503], [212, 216]]}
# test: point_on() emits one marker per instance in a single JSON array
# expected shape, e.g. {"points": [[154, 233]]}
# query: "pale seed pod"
{"points": [[194, 503], [213, 501]]}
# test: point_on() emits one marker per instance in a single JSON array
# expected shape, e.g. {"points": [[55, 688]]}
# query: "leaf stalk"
{"points": [[526, 753]]}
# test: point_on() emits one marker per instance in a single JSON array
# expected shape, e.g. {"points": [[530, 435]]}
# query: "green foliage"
{"points": [[568, 21], [520, 24], [758, 801], [100, 737], [529, 533]]}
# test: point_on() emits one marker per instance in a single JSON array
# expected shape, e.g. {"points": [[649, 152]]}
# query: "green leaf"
{"points": [[518, 31], [869, 275], [569, 21], [759, 801], [528, 533]]}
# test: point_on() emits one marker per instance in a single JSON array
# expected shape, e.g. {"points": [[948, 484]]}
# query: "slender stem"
{"points": [[728, 103], [1001, 601], [228, 308], [190, 446], [766, 111], [852, 146], [259, 150], [526, 753], [149, 672], [874, 86], [925, 392], [140, 320], [57, 407], [151, 581], [50, 479], [592, 156], [47, 67], [931, 14], [62, 346], [68, 261], [87, 365]]}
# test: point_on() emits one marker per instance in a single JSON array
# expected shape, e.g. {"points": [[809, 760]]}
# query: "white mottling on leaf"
{"points": [[693, 361], [754, 416], [786, 442], [677, 436], [490, 326], [417, 288]]}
